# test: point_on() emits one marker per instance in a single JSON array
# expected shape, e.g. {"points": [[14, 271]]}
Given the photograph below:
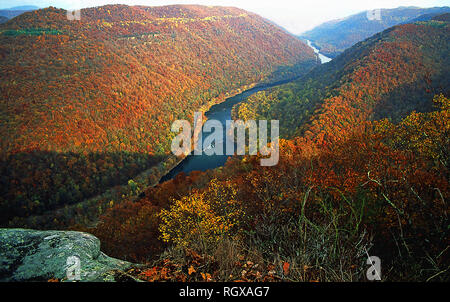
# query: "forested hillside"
{"points": [[365, 171], [87, 105], [333, 37], [387, 76]]}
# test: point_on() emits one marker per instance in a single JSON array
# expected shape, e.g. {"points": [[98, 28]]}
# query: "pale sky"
{"points": [[296, 16]]}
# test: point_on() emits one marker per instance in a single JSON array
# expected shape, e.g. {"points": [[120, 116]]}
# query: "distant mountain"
{"points": [[3, 19], [16, 11], [90, 103], [333, 37], [423, 18], [23, 7]]}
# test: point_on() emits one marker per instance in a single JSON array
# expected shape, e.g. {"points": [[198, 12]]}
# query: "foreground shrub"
{"points": [[204, 218]]}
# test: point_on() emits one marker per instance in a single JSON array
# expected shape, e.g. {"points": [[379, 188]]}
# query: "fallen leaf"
{"points": [[53, 280], [191, 270], [286, 268], [206, 277]]}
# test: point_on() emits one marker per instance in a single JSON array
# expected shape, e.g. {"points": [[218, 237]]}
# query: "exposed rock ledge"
{"points": [[28, 255]]}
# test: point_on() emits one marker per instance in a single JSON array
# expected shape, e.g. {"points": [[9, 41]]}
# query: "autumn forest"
{"points": [[86, 109]]}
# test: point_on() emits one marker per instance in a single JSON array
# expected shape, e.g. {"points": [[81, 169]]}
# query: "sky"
{"points": [[296, 16]]}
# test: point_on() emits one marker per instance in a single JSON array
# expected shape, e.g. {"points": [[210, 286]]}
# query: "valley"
{"points": [[344, 157], [222, 113], [87, 107], [123, 75]]}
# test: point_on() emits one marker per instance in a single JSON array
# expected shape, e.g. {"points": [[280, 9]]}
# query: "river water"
{"points": [[222, 113], [323, 59]]}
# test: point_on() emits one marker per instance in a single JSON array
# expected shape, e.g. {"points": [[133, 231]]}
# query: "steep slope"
{"points": [[333, 37], [387, 76], [88, 104], [345, 185]]}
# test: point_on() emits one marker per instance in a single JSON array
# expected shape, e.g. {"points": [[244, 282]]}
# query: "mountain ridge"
{"points": [[340, 81], [333, 37]]}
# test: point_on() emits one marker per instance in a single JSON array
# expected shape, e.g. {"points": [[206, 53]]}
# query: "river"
{"points": [[323, 59], [222, 113]]}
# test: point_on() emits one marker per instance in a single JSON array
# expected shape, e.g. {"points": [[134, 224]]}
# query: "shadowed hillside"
{"points": [[115, 81]]}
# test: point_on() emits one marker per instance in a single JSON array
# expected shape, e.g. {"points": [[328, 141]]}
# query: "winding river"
{"points": [[323, 59], [222, 113]]}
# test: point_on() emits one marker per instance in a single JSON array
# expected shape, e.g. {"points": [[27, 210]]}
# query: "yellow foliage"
{"points": [[107, 24], [425, 134], [202, 217]]}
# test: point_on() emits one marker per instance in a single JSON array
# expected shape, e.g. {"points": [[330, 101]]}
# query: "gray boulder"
{"points": [[29, 255]]}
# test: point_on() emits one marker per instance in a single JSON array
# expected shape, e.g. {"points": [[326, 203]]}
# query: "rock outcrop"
{"points": [[29, 255]]}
